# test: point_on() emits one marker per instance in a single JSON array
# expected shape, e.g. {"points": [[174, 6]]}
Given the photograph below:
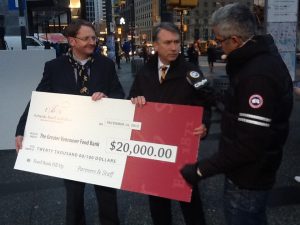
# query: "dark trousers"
{"points": [[244, 207], [118, 61], [161, 214], [107, 204]]}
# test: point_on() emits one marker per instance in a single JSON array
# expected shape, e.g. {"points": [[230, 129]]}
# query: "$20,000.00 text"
{"points": [[144, 150]]}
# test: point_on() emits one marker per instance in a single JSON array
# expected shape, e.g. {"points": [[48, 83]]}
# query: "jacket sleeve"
{"points": [[250, 135], [203, 97], [115, 87], [44, 86], [135, 89]]}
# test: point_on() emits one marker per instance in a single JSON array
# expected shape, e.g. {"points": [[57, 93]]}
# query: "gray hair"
{"points": [[234, 19], [171, 27]]}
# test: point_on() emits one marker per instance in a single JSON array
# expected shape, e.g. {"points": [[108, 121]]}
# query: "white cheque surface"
{"points": [[70, 137]]}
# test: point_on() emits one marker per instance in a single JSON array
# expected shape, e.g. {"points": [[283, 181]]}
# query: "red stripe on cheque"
{"points": [[163, 124]]}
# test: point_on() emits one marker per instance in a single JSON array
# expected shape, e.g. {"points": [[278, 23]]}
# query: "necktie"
{"points": [[163, 73], [82, 79], [82, 73]]}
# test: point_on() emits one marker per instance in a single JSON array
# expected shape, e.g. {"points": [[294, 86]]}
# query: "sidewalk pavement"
{"points": [[31, 199]]}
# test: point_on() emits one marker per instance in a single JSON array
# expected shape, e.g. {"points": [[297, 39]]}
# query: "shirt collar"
{"points": [[160, 64]]}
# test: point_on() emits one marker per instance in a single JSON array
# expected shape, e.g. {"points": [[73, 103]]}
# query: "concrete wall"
{"points": [[20, 73]]}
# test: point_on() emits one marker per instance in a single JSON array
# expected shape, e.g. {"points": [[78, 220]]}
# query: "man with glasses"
{"points": [[164, 79], [80, 72], [255, 121]]}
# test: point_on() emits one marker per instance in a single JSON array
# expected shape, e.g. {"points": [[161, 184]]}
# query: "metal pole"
{"points": [[110, 42], [181, 31], [37, 26], [22, 24], [132, 27], [47, 29], [54, 26], [59, 23], [83, 9], [108, 16]]}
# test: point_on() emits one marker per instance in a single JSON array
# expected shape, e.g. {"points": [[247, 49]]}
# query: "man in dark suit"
{"points": [[81, 73], [164, 79]]}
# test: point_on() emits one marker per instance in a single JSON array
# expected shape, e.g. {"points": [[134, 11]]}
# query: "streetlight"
{"points": [[74, 4], [132, 25], [122, 23], [74, 7]]}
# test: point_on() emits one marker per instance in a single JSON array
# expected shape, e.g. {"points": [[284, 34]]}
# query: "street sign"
{"points": [[22, 21], [112, 27]]}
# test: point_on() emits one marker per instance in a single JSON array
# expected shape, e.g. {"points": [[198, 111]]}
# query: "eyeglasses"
{"points": [[87, 38], [220, 41]]}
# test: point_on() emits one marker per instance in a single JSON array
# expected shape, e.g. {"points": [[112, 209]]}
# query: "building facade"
{"points": [[146, 16], [96, 14]]}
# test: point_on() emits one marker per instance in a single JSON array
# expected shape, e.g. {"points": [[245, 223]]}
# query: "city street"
{"points": [[31, 199]]}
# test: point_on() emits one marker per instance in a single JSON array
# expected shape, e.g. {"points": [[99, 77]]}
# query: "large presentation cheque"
{"points": [[111, 142]]}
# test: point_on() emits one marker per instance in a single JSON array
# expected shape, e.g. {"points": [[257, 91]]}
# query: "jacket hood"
{"points": [[257, 45]]}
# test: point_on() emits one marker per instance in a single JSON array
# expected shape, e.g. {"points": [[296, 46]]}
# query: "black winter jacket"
{"points": [[255, 121]]}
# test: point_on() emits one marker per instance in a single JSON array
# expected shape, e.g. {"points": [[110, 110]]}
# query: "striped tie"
{"points": [[163, 73]]}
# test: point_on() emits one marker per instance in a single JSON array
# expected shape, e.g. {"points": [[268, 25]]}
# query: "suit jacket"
{"points": [[174, 90], [59, 77]]}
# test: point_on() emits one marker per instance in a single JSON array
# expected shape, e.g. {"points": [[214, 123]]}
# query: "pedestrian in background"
{"points": [[255, 122], [211, 56], [193, 53], [164, 79], [145, 53], [126, 49], [117, 53], [73, 74], [97, 50]]}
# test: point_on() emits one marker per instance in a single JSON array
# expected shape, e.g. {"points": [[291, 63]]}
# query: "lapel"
{"points": [[67, 72], [70, 73], [98, 74], [94, 70], [176, 69], [153, 68]]}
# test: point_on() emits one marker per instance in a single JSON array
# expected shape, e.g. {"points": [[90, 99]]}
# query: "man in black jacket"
{"points": [[81, 73], [255, 121], [164, 79]]}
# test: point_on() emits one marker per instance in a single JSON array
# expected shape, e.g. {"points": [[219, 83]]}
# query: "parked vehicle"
{"points": [[203, 47], [14, 43]]}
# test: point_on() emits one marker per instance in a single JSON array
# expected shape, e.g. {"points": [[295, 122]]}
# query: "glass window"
{"points": [[31, 42]]}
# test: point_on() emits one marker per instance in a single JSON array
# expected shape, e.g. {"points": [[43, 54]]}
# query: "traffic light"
{"points": [[185, 28], [119, 30]]}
